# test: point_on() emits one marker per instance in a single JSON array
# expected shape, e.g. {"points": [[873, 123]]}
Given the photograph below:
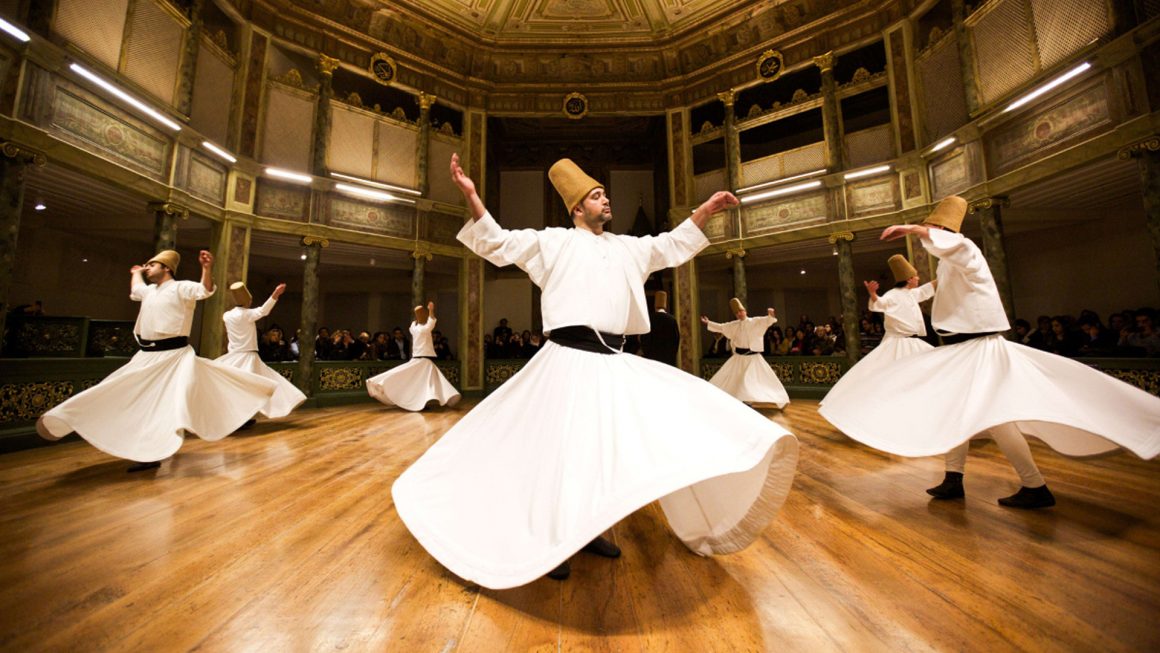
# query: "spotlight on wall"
{"points": [[39, 206], [303, 257], [803, 270], [123, 96]]}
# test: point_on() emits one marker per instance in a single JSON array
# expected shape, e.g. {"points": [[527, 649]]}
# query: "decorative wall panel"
{"points": [[440, 186], [153, 49], [95, 27], [778, 215], [950, 174], [352, 141], [720, 226], [1004, 48], [1080, 115], [213, 92], [387, 219], [872, 196], [288, 127], [279, 201], [803, 159], [940, 80], [442, 228], [397, 161], [93, 125], [207, 179]]}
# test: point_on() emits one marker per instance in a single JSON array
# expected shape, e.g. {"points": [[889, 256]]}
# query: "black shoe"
{"points": [[602, 548], [1029, 498], [562, 572], [141, 467], [950, 488]]}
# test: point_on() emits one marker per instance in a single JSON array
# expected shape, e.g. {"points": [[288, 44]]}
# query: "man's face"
{"points": [[742, 314], [912, 282], [1144, 323], [155, 272], [595, 209], [398, 333]]}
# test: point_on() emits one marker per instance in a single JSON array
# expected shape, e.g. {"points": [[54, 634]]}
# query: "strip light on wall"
{"points": [[1048, 86], [804, 175], [289, 176], [942, 145], [858, 174], [129, 99], [376, 184], [15, 31], [777, 192], [219, 151], [365, 192]]}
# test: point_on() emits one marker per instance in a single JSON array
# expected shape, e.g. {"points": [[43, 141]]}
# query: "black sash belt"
{"points": [[585, 339], [742, 351], [956, 338], [430, 358], [165, 344]]}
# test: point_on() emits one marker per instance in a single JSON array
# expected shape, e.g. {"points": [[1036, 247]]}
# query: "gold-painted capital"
{"points": [[28, 155], [987, 203], [1150, 144], [727, 97], [840, 235], [315, 240], [825, 61], [327, 65], [426, 100], [736, 252], [422, 251], [170, 208]]}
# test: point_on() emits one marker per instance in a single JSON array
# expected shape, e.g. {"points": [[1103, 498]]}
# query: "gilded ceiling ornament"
{"points": [[383, 68], [770, 65], [1151, 144], [575, 106]]}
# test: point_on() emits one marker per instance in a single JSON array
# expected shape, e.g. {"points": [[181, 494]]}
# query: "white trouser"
{"points": [[1013, 445]]}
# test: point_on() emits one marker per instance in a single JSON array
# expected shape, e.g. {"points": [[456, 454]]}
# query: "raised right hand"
{"points": [[466, 186]]}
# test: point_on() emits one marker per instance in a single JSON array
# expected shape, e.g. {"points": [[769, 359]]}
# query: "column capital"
{"points": [[327, 65], [987, 203], [727, 97], [736, 252], [170, 208], [315, 240], [825, 61], [1150, 144], [840, 235], [422, 252], [426, 100], [21, 152]]}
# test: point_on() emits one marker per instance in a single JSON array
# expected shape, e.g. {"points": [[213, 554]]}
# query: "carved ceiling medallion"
{"points": [[575, 106], [769, 65], [383, 68]]}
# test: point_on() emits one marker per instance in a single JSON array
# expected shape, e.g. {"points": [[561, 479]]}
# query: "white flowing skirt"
{"points": [[751, 379], [929, 403], [411, 385], [143, 410], [286, 397], [575, 442], [863, 378]]}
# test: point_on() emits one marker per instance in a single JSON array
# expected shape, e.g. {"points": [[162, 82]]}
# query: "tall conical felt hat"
{"points": [[736, 306], [241, 294], [572, 183], [168, 258], [661, 301], [901, 268], [949, 213], [421, 314]]}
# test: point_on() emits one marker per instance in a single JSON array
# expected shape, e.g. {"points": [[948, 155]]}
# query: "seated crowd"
{"points": [[341, 345]]}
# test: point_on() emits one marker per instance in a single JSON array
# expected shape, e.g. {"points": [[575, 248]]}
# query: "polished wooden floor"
{"points": [[284, 538]]}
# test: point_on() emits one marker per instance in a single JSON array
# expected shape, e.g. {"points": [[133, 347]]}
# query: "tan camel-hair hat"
{"points": [[168, 258], [241, 294], [572, 183], [421, 314], [661, 301], [949, 213], [736, 306], [901, 268]]}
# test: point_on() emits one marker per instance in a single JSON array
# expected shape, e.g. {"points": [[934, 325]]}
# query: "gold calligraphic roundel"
{"points": [[575, 106], [769, 65], [383, 68]]}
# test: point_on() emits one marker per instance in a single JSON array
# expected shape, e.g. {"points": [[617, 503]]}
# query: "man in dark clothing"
{"points": [[664, 336]]}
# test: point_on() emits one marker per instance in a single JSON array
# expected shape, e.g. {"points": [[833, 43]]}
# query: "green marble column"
{"points": [[849, 289], [1148, 160], [990, 212], [425, 102], [326, 67], [831, 114], [165, 217], [966, 56], [313, 250], [732, 142], [740, 287], [12, 166], [188, 69], [418, 277]]}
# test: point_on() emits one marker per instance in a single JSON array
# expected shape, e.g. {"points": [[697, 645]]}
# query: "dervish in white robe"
{"points": [[746, 375], [904, 327], [143, 410], [569, 445], [987, 386], [417, 382], [243, 348]]}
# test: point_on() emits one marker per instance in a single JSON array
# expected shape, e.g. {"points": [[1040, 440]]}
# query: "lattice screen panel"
{"points": [[1004, 49], [940, 80], [213, 89], [153, 49], [872, 145], [440, 186], [1063, 27], [95, 27], [803, 159], [1148, 9], [706, 184], [352, 142], [398, 161], [761, 170], [288, 126]]}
